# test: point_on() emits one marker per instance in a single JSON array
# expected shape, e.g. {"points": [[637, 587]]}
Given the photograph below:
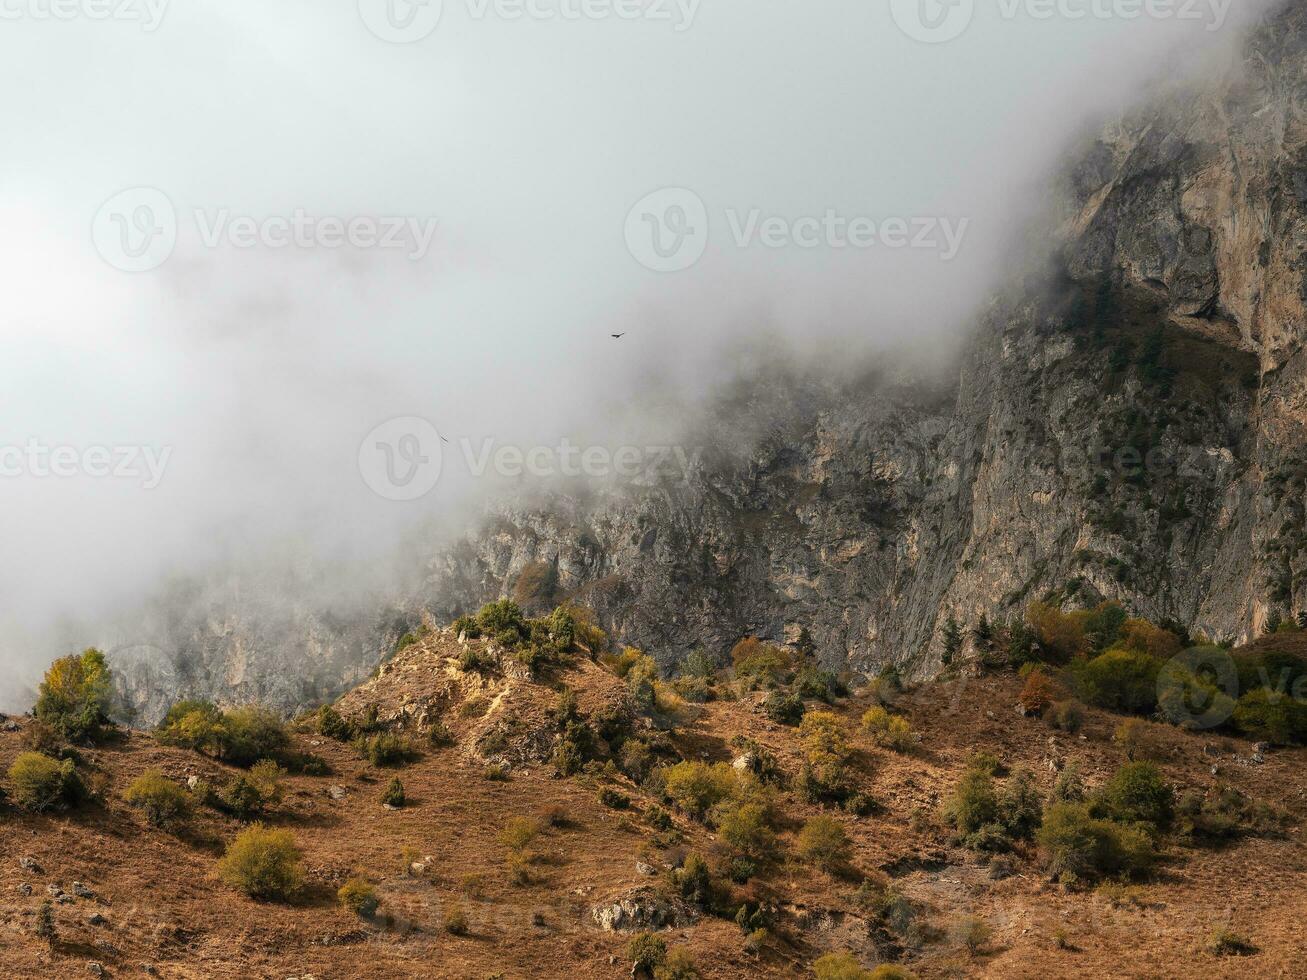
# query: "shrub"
{"points": [[385, 750], [812, 682], [824, 842], [359, 897], [252, 733], [974, 934], [331, 725], [693, 880], [41, 783], [1226, 942], [636, 759], [164, 802], [610, 797], [1069, 787], [1137, 794], [241, 736], [745, 828], [646, 951], [758, 663], [1135, 738], [251, 794], [74, 696], [1120, 680], [887, 730], [455, 918], [696, 787], [519, 832], [1077, 846], [1020, 806], [394, 794], [1271, 717], [263, 863], [826, 754], [1066, 716], [43, 738], [679, 965], [987, 762], [1040, 693], [783, 709], [839, 966], [45, 926], [974, 803], [1062, 636]]}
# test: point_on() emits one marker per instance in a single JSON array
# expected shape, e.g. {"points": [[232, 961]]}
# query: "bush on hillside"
{"points": [[760, 664], [164, 802], [41, 783], [359, 897], [241, 736], [1040, 693], [253, 793], [331, 725], [974, 803], [386, 750], [696, 787], [263, 864], [1119, 680], [1137, 794], [887, 730], [1271, 717], [783, 708], [74, 696], [824, 843], [1078, 848]]}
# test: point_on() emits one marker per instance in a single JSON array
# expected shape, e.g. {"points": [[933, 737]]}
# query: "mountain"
{"points": [[1126, 422]]}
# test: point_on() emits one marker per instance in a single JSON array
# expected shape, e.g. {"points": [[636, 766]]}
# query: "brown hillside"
{"points": [[163, 911]]}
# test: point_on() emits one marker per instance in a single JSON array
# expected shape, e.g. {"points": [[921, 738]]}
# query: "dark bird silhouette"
{"points": [[618, 336]]}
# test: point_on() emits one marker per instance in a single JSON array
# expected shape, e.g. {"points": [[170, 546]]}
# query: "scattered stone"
{"points": [[744, 763], [96, 919], [81, 891], [192, 782], [28, 864], [12, 726], [54, 891], [1261, 748], [337, 792], [645, 869], [644, 908], [24, 888], [96, 968]]}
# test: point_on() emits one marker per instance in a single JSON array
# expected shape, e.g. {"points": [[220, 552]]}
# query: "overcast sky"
{"points": [[251, 370]]}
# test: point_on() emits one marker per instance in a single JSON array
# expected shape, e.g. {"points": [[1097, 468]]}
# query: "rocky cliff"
{"points": [[1126, 424]]}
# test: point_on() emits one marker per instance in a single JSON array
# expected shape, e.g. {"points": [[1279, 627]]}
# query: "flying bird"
{"points": [[617, 336]]}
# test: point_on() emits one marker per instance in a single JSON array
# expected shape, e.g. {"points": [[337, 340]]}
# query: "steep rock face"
{"points": [[234, 641], [1128, 426]]}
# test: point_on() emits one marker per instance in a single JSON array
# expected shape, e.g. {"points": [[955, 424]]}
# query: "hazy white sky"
{"points": [[528, 140]]}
